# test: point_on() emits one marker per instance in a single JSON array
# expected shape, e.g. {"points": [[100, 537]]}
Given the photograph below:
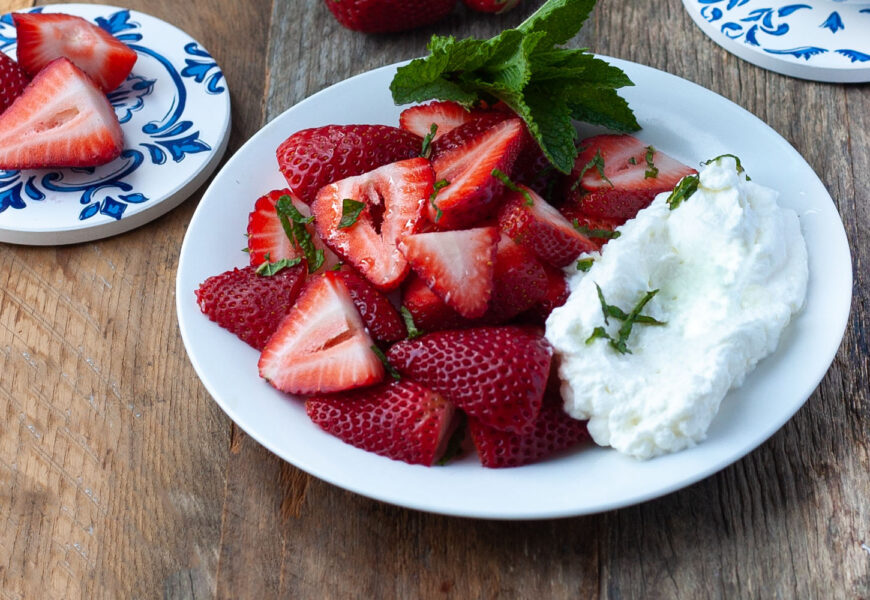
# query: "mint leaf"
{"points": [[559, 21], [602, 234], [651, 170], [501, 176], [350, 211], [584, 264], [602, 106], [268, 268], [390, 369], [413, 332], [597, 162], [437, 187], [426, 149], [686, 186], [294, 224]]}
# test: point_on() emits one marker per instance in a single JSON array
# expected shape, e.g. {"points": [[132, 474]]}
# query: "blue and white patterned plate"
{"points": [[821, 40], [174, 110]]}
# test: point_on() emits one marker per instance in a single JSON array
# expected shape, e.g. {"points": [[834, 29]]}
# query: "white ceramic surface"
{"points": [[678, 117], [821, 40], [174, 110]]}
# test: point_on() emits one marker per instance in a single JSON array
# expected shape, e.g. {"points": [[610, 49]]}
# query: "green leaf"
{"points": [[267, 269], [501, 176], [651, 170], [601, 106], [687, 186], [550, 124], [597, 162], [350, 211], [426, 148], [390, 369], [413, 332], [584, 264], [603, 234], [437, 187], [560, 20], [293, 223]]}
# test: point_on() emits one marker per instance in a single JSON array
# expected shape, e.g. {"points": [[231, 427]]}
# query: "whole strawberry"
{"points": [[383, 16], [491, 6], [312, 158], [13, 80], [248, 304]]}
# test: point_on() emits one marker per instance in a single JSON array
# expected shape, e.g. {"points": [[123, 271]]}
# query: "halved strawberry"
{"points": [[266, 235], [394, 196], [480, 121], [541, 228], [430, 313], [519, 281], [44, 37], [495, 374], [321, 346], [456, 265], [250, 305], [401, 420], [312, 158], [471, 192], [60, 120], [445, 115], [598, 230], [13, 80], [376, 310], [555, 294], [635, 173]]}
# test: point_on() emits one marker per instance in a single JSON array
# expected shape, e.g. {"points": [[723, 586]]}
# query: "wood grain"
{"points": [[120, 478]]}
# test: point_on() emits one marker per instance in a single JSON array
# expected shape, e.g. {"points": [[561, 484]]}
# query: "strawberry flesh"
{"points": [[445, 115], [495, 374], [401, 420], [13, 80], [519, 282], [378, 313]]}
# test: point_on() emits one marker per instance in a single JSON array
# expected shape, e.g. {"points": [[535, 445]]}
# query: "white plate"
{"points": [[821, 40], [174, 110], [679, 117]]}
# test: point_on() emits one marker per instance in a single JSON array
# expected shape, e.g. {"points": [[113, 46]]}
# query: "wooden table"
{"points": [[120, 477]]}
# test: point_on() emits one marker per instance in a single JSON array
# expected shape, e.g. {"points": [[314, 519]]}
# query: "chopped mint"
{"points": [[602, 234], [413, 332], [736, 159], [294, 226], [437, 187], [501, 176], [687, 186], [426, 150], [620, 344], [597, 162], [584, 264], [391, 370], [632, 161], [651, 170], [350, 211], [268, 268]]}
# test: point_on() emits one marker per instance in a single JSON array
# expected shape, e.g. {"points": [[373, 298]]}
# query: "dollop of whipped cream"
{"points": [[730, 267]]}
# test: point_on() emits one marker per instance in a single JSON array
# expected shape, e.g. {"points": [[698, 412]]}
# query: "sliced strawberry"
{"points": [[495, 374], [471, 193], [395, 196], [376, 310], [60, 120], [430, 313], [401, 420], [321, 346], [480, 121], [541, 228], [554, 431], [312, 158], [520, 282], [250, 305], [13, 80], [456, 265], [44, 37], [445, 115], [632, 182], [266, 235], [555, 294], [598, 230]]}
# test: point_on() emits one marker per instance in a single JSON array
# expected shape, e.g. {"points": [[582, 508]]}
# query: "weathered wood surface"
{"points": [[120, 478]]}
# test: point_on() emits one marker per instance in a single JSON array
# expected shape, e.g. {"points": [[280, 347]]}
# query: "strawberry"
{"points": [[491, 6], [472, 191], [553, 432], [321, 346], [495, 374], [480, 121], [430, 313], [520, 282], [377, 312], [60, 120], [250, 305], [632, 181], [555, 294], [266, 235], [401, 420], [394, 196], [44, 37], [541, 228], [456, 265], [445, 115], [598, 230], [13, 80], [383, 16], [312, 158]]}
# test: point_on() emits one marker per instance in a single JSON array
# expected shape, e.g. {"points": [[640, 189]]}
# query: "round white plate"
{"points": [[821, 40], [678, 117], [174, 110]]}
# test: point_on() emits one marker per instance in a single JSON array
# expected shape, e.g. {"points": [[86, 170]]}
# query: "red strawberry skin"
{"points": [[573, 211], [495, 374], [44, 37], [250, 305], [430, 313], [60, 120], [312, 158], [478, 122], [555, 294], [385, 16], [491, 6], [401, 420], [13, 80], [378, 313], [520, 282], [446, 115]]}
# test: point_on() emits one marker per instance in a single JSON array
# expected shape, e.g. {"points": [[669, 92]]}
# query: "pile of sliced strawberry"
{"points": [[462, 242], [62, 117]]}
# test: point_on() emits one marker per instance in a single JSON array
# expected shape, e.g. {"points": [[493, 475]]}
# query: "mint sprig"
{"points": [[293, 223], [547, 86]]}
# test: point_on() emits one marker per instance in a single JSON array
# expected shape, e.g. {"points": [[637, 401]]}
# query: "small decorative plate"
{"points": [[174, 110], [821, 40]]}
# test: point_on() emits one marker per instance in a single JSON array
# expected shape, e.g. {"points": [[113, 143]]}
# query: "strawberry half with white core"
{"points": [[495, 374], [444, 115], [456, 265], [634, 174], [541, 228], [13, 80], [394, 197], [322, 345], [44, 37], [471, 191], [401, 420], [60, 120]]}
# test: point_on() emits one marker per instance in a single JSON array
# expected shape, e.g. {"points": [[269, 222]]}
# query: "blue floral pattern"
{"points": [[106, 190]]}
